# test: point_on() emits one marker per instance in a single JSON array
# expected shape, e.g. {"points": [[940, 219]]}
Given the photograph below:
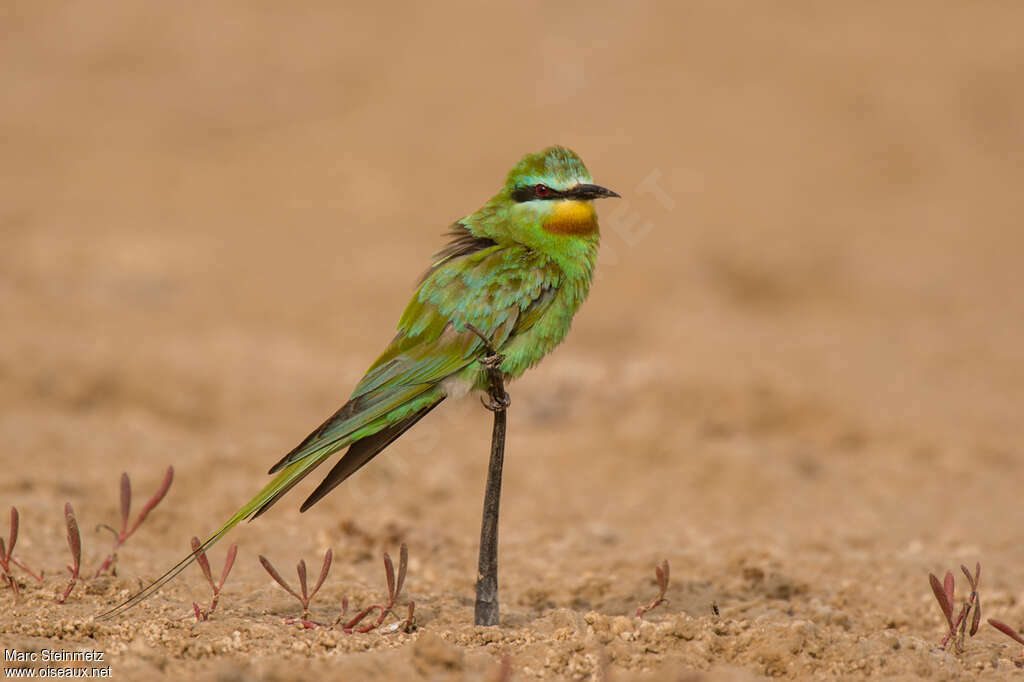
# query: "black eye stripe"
{"points": [[529, 193], [522, 193]]}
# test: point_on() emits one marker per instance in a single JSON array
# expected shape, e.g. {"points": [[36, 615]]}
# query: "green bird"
{"points": [[517, 269]]}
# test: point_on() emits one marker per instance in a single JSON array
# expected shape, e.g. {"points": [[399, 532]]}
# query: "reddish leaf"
{"points": [[403, 565], [204, 563], [126, 501], [301, 570], [1006, 630], [165, 485], [970, 578], [942, 598], [410, 622], [949, 585], [323, 572], [75, 544], [14, 531], [277, 577], [74, 537], [229, 561], [389, 572]]}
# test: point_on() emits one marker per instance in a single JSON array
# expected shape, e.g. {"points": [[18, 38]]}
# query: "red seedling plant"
{"points": [[406, 624], [126, 506], [204, 565], [75, 545], [7, 556], [359, 622], [305, 597], [944, 594], [661, 575]]}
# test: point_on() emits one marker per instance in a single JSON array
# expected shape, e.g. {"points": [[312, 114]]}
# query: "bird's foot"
{"points": [[495, 403], [493, 361]]}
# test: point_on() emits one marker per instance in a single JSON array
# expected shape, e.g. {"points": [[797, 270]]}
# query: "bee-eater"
{"points": [[517, 269]]}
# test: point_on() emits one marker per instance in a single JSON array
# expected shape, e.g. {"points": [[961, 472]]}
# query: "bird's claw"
{"points": [[493, 361], [495, 404]]}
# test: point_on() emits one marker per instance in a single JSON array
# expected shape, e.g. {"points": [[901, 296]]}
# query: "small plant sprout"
{"points": [[661, 575], [305, 597], [75, 544], [944, 594], [126, 506], [1012, 634], [395, 584], [204, 565], [7, 556]]}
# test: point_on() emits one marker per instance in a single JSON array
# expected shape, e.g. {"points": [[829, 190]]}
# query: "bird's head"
{"points": [[547, 200], [554, 189]]}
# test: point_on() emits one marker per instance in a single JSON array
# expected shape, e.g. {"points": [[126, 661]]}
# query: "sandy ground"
{"points": [[799, 376]]}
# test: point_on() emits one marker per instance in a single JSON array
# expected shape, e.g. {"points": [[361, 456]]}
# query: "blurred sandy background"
{"points": [[799, 376]]}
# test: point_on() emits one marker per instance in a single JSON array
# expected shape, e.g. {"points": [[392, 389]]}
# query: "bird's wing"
{"points": [[484, 286], [488, 289]]}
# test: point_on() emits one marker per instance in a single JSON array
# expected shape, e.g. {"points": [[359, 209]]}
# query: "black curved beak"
{"points": [[591, 192]]}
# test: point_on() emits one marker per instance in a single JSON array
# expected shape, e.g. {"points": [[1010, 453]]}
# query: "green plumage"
{"points": [[517, 269]]}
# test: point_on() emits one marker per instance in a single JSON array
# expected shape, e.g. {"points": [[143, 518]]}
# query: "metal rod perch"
{"points": [[486, 612]]}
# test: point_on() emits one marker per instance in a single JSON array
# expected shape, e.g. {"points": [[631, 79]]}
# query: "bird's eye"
{"points": [[542, 190]]}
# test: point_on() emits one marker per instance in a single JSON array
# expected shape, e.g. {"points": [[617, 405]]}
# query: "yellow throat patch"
{"points": [[572, 217]]}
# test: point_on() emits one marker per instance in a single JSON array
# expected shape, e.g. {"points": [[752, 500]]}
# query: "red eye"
{"points": [[542, 190]]}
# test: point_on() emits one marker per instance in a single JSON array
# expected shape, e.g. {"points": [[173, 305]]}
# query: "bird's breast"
{"points": [[572, 217]]}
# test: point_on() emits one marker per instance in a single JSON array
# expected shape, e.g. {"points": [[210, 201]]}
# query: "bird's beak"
{"points": [[591, 192]]}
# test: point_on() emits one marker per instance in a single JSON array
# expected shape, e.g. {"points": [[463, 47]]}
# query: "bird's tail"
{"points": [[368, 432], [288, 477]]}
